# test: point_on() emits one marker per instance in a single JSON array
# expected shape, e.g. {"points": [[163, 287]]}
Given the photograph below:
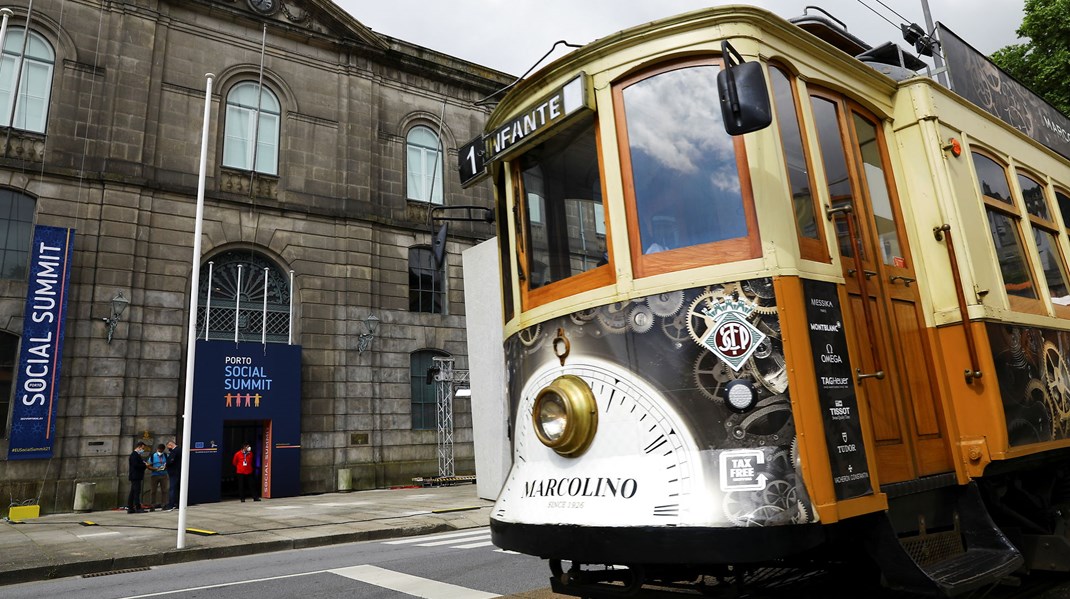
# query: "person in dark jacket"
{"points": [[174, 473], [137, 475]]}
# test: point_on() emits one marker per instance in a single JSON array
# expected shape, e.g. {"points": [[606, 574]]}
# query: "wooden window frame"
{"points": [[600, 276], [706, 254], [852, 108], [809, 248], [1014, 212], [1046, 225]]}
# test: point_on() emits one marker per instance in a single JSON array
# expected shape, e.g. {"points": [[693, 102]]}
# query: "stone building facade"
{"points": [[357, 136]]}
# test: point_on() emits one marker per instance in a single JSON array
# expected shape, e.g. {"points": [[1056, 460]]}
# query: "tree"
{"points": [[1043, 62]]}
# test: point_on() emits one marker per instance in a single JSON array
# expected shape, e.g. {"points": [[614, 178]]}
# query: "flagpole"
{"points": [[191, 341]]}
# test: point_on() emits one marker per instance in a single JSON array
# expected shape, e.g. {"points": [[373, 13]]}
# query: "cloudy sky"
{"points": [[511, 35]]}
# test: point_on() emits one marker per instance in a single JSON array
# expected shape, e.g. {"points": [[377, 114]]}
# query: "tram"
{"points": [[765, 299]]}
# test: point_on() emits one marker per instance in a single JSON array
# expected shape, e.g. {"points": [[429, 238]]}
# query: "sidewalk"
{"points": [[59, 545]]}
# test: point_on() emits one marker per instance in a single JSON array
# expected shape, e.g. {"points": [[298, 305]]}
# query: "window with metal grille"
{"points": [[233, 288], [426, 291]]}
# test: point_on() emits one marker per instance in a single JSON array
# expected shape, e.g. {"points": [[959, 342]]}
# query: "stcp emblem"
{"points": [[729, 335]]}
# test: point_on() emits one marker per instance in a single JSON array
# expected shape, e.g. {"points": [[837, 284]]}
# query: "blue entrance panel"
{"points": [[252, 382]]}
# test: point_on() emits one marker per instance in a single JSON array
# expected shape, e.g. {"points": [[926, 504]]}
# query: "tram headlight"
{"points": [[565, 415], [739, 395]]}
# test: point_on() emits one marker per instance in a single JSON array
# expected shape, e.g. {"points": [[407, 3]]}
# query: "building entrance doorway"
{"points": [[235, 434]]}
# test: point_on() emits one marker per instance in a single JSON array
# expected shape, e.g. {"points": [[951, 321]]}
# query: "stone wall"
{"points": [[119, 163]]}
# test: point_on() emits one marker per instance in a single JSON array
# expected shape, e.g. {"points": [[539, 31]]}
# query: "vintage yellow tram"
{"points": [[848, 326]]}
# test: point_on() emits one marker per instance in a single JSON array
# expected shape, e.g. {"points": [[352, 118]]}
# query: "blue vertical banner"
{"points": [[33, 419]]}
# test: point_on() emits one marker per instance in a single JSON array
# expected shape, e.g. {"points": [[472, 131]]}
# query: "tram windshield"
{"points": [[687, 189]]}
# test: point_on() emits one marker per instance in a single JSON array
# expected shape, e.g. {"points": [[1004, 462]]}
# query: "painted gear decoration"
{"points": [[1056, 378], [582, 317], [710, 374], [766, 424], [614, 317], [759, 293], [530, 336], [666, 304], [640, 319], [771, 371], [675, 329]]}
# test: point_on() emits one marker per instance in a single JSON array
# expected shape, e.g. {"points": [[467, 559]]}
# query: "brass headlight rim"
{"points": [[581, 415]]}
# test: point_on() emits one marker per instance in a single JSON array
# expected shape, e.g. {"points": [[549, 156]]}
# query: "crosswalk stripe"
{"points": [[452, 535], [452, 541], [412, 585], [507, 551], [487, 543]]}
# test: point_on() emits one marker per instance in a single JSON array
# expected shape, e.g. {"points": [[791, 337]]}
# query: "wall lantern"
{"points": [[118, 306], [371, 327]]}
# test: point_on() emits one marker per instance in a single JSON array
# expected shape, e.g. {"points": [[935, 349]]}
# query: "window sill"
{"points": [[233, 180], [24, 145]]}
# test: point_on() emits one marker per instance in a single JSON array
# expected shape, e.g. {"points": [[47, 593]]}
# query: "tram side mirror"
{"points": [[744, 95]]}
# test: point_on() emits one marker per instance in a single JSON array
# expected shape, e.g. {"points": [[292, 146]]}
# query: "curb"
{"points": [[180, 556]]}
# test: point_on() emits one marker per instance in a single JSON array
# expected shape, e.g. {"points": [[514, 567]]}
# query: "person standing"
{"points": [[243, 466], [136, 476], [158, 477], [174, 473]]}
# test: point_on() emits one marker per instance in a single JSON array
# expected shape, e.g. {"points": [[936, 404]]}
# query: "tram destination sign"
{"points": [[836, 392], [531, 123], [980, 81]]}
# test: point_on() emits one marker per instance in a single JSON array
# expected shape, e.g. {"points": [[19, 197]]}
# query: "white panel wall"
{"points": [[486, 364]]}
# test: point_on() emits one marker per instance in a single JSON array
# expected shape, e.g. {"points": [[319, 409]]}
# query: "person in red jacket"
{"points": [[243, 465]]}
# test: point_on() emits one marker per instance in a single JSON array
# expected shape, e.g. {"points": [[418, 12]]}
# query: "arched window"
{"points": [[243, 104], [422, 382], [426, 293], [30, 113], [238, 280], [423, 165], [9, 345], [16, 230]]}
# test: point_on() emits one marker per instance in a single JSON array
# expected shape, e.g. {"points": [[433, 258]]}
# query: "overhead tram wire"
{"points": [[901, 17], [874, 11], [484, 101], [934, 47]]}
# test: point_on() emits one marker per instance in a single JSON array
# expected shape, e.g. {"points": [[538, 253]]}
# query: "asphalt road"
{"points": [[456, 565]]}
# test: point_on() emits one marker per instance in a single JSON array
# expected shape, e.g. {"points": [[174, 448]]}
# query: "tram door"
{"points": [[895, 368]]}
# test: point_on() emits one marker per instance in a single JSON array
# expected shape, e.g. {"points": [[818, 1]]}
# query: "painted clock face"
{"points": [[641, 466], [265, 7]]}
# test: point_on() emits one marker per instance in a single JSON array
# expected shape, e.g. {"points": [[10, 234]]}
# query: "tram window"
{"points": [[884, 217], [1033, 194], [830, 142], [1045, 233], [993, 178], [682, 170], [1003, 224], [561, 190], [798, 166], [1052, 264], [1063, 201], [683, 164], [1012, 263]]}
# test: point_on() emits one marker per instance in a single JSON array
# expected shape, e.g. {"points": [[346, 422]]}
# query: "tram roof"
{"points": [[806, 30]]}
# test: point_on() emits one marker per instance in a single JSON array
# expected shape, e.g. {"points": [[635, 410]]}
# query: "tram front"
{"points": [[652, 422]]}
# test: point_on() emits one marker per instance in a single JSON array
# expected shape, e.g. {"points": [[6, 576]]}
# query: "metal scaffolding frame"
{"points": [[447, 381]]}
